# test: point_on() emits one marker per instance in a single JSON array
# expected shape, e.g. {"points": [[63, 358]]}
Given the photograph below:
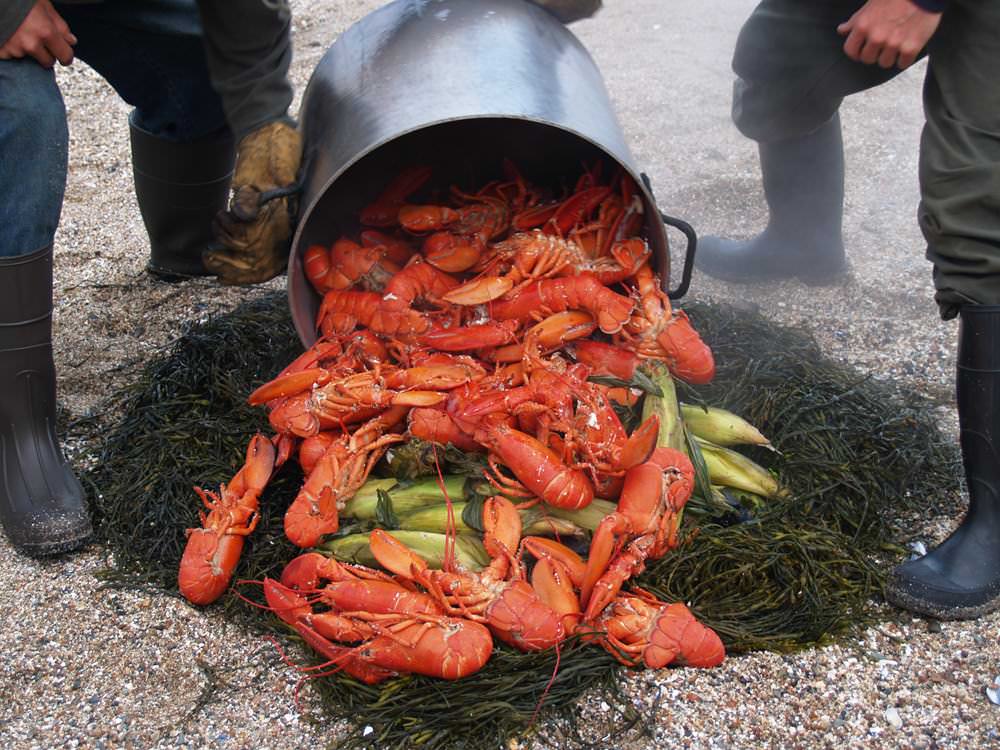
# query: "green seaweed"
{"points": [[854, 452]]}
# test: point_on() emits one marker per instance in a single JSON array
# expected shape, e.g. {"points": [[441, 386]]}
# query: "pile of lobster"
{"points": [[492, 323]]}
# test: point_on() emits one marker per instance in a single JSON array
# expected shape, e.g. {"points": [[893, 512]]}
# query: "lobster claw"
{"points": [[453, 252], [395, 556], [479, 291], [552, 582], [289, 384], [384, 210], [641, 443]]}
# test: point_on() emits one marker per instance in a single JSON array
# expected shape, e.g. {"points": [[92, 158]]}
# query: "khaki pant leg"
{"points": [[960, 156], [793, 73]]}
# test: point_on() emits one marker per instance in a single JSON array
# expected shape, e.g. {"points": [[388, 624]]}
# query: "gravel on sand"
{"points": [[86, 666]]}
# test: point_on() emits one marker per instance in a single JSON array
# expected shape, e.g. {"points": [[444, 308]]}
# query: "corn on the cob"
{"points": [[362, 505], [537, 521], [721, 427], [404, 498], [552, 526], [587, 518], [434, 518], [665, 406], [470, 554], [732, 469]]}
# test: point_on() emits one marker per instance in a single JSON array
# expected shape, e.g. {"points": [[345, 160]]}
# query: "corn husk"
{"points": [[721, 427], [470, 554], [732, 469], [406, 497], [586, 518], [665, 406], [435, 518]]}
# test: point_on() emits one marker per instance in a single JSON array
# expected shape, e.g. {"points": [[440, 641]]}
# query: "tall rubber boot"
{"points": [[41, 502], [960, 579], [180, 188], [803, 181]]}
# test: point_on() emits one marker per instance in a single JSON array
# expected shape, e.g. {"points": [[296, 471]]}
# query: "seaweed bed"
{"points": [[798, 572]]}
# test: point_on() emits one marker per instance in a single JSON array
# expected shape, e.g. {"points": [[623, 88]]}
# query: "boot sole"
{"points": [[910, 602], [835, 277], [73, 539], [173, 277]]}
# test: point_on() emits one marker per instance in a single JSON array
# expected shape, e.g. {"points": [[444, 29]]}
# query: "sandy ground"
{"points": [[85, 666]]}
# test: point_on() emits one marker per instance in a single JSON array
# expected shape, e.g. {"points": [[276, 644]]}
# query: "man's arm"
{"points": [[249, 50], [33, 28], [891, 32]]}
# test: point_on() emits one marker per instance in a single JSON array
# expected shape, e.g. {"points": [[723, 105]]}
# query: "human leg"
{"points": [[960, 578], [42, 506], [960, 217], [152, 53], [803, 181], [959, 210], [792, 76], [34, 143], [41, 502]]}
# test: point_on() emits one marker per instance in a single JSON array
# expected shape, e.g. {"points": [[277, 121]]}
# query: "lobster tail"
{"points": [[207, 565], [687, 356], [678, 637]]}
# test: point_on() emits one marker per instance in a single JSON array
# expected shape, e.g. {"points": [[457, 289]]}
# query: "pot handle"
{"points": [[692, 244]]}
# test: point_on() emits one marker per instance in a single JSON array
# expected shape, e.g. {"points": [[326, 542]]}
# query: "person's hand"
{"points": [[254, 233], [888, 32], [43, 35]]}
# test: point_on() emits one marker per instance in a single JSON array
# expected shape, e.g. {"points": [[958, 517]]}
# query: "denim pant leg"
{"points": [[792, 70], [33, 146], [153, 54], [960, 156]]}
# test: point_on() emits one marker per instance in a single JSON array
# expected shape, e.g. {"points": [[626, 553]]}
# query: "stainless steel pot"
{"points": [[458, 85]]}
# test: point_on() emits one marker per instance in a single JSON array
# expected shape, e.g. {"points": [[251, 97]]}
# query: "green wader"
{"points": [[793, 75]]}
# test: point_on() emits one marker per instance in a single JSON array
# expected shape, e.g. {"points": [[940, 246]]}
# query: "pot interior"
{"points": [[466, 153]]}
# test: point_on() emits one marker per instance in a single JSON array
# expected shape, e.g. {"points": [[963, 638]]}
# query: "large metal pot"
{"points": [[458, 85]]}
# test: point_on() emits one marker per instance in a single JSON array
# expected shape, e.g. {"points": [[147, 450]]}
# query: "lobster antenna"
{"points": [[451, 529], [548, 686]]}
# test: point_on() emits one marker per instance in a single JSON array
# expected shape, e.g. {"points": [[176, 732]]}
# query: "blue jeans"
{"points": [[150, 51]]}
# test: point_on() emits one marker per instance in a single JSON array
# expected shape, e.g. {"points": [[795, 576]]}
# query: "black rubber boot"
{"points": [[960, 579], [803, 182], [180, 188], [41, 502]]}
